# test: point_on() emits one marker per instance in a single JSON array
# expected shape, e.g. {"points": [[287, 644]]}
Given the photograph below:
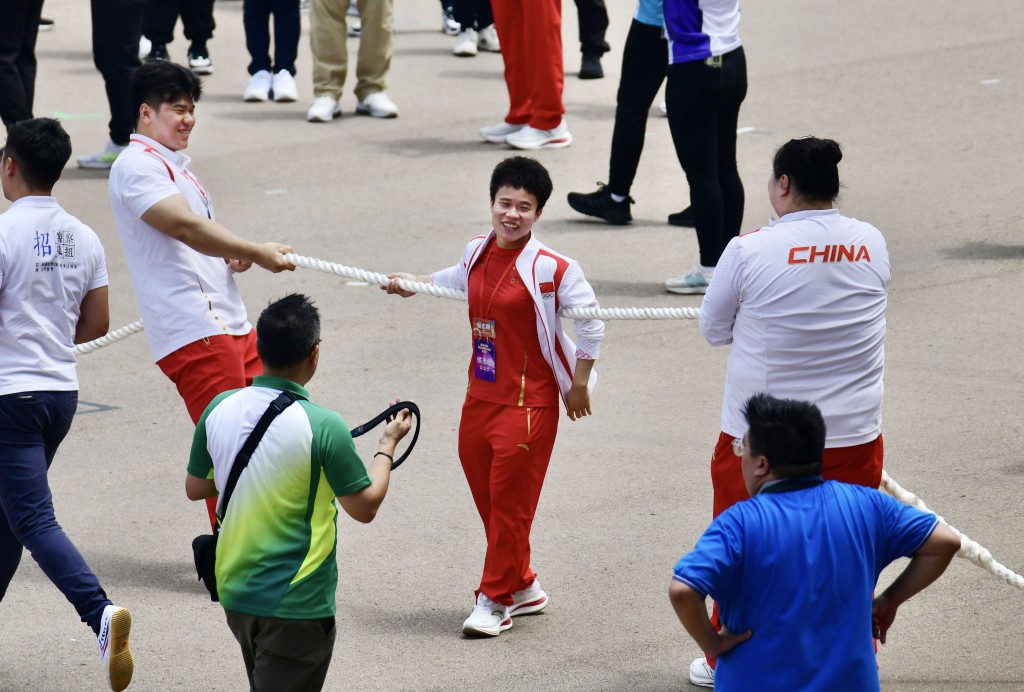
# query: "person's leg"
{"points": [[593, 20], [476, 455], [644, 61], [375, 47], [116, 29], [522, 440], [327, 39], [484, 15], [693, 97], [18, 33], [734, 69], [464, 12], [287, 29], [511, 21], [542, 62], [32, 426], [197, 19], [159, 19], [284, 655], [256, 22]]}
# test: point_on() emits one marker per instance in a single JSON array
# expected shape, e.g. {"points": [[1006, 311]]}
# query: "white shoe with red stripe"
{"points": [[488, 619], [532, 138], [532, 599]]}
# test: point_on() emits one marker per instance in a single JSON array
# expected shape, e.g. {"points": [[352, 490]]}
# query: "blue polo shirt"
{"points": [[797, 564]]}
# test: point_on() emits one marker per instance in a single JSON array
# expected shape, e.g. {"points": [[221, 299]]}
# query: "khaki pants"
{"points": [[328, 39]]}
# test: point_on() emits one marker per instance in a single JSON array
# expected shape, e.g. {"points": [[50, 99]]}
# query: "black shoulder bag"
{"points": [[204, 548]]}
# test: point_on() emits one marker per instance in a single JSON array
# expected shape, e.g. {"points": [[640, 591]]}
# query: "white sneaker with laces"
{"points": [[465, 44], [449, 26], [355, 24], [701, 674], [488, 619], [692, 282], [115, 654], [488, 40], [102, 159], [258, 88], [498, 133], [284, 87], [377, 105], [532, 138], [532, 599], [145, 45], [324, 110]]}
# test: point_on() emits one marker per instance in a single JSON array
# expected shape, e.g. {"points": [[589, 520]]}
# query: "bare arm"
{"points": [[363, 505], [393, 286], [692, 612], [173, 217], [197, 488], [94, 316], [578, 404], [926, 565]]}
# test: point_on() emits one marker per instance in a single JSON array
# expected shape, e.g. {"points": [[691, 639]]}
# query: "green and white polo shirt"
{"points": [[276, 553]]}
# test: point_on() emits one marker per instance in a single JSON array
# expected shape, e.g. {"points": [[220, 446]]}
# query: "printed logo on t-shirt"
{"points": [[60, 246], [829, 253], [547, 289]]}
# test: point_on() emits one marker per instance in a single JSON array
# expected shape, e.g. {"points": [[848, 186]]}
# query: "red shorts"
{"points": [[205, 368]]}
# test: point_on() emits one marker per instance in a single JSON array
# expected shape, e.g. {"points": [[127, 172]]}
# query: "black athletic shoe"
{"points": [[158, 52], [682, 218], [590, 67], [601, 205], [199, 58]]}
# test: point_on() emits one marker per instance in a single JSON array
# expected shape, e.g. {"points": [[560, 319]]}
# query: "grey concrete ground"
{"points": [[925, 98]]}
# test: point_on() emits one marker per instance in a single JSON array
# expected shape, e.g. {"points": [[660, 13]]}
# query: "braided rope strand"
{"points": [[970, 550], [109, 338]]}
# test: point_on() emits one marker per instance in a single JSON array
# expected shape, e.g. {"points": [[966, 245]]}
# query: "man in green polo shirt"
{"points": [[276, 567]]}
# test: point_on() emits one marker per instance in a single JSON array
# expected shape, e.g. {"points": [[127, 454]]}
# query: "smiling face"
{"points": [[513, 213], [171, 124]]}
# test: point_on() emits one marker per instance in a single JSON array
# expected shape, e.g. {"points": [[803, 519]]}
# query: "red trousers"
{"points": [[205, 368], [858, 465], [505, 452], [530, 32]]}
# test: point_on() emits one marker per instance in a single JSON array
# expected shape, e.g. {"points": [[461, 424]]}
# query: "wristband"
{"points": [[385, 454]]}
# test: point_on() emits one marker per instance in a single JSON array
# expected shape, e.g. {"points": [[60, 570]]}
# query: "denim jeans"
{"points": [[32, 425]]}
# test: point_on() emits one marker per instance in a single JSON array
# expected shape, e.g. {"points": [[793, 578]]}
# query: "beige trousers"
{"points": [[328, 39]]}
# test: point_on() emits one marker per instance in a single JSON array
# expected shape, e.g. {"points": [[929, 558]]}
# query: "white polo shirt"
{"points": [[49, 261], [183, 295], [803, 303]]}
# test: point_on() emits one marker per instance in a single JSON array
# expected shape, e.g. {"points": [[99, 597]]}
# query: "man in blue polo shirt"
{"points": [[793, 568]]}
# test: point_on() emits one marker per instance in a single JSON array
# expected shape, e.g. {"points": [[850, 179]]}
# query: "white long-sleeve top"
{"points": [[802, 301], [555, 281]]}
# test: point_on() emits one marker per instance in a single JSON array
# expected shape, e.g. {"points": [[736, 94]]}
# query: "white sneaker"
{"points": [[102, 159], [498, 133], [692, 282], [258, 88], [532, 599], [701, 674], [378, 105], [449, 26], [488, 619], [284, 87], [355, 24], [145, 45], [465, 44], [489, 40], [532, 138], [663, 108], [115, 654], [324, 110]]}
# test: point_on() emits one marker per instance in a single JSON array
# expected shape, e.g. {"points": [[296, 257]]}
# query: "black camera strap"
{"points": [[283, 401]]}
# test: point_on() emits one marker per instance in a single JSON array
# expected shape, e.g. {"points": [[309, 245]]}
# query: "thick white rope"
{"points": [[970, 550], [109, 338]]}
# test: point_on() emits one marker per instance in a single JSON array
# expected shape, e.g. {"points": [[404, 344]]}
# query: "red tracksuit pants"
{"points": [[530, 32], [205, 368], [858, 465], [505, 452]]}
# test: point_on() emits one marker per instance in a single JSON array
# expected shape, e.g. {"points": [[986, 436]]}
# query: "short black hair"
{"points": [[790, 433], [812, 165], [41, 148], [523, 173], [287, 331], [163, 81]]}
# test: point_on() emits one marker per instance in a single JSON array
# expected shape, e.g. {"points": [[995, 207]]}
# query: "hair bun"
{"points": [[826, 151]]}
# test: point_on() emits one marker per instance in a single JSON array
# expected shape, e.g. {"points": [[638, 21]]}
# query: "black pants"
{"points": [[593, 16], [161, 16], [703, 111], [644, 61], [472, 14], [116, 30], [287, 28], [283, 655], [18, 30]]}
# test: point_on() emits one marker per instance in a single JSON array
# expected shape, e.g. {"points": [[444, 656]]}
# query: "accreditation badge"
{"points": [[483, 349]]}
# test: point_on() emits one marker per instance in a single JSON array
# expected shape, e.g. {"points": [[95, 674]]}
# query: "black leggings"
{"points": [[703, 112]]}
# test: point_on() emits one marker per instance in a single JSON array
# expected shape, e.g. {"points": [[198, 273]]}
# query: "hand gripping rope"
{"points": [[969, 550]]}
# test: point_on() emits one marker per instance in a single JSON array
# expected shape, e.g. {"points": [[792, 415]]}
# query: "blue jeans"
{"points": [[32, 425]]}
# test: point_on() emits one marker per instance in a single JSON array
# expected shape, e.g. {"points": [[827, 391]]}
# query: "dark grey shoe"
{"points": [[590, 67], [682, 218], [601, 205]]}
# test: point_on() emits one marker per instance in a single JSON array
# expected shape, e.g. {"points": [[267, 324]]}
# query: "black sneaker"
{"points": [[45, 24], [682, 218], [158, 52], [601, 205], [590, 67], [199, 59]]}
